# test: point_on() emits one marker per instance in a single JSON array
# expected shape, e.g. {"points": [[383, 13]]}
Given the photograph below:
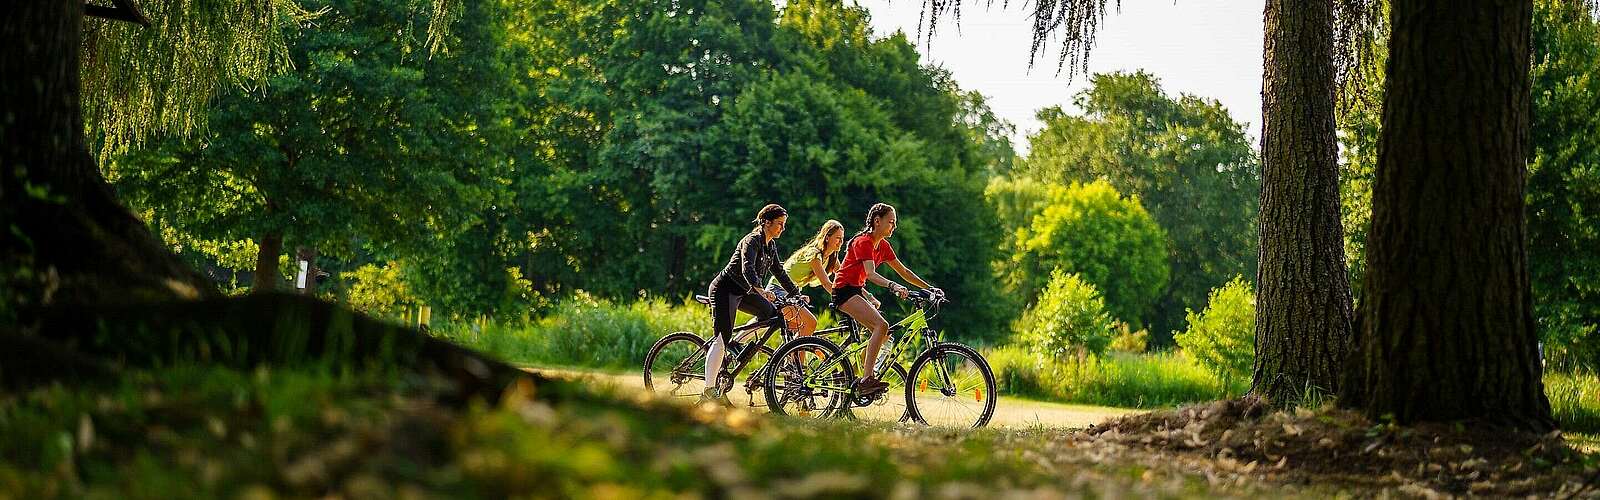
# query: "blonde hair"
{"points": [[813, 249]]}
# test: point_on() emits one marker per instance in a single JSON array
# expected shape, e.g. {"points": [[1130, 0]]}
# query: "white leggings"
{"points": [[714, 353]]}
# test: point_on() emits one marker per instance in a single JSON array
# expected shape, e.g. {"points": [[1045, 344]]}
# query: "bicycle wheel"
{"points": [[950, 385], [676, 366], [752, 392], [890, 406], [808, 378]]}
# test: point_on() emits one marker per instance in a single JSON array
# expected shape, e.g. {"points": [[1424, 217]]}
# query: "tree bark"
{"points": [[62, 217], [1303, 306], [266, 274], [1447, 324]]}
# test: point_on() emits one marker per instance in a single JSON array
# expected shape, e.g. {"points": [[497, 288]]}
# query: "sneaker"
{"points": [[870, 386], [715, 396]]}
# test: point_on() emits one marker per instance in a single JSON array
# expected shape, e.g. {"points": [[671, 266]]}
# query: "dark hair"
{"points": [[769, 213], [873, 214]]}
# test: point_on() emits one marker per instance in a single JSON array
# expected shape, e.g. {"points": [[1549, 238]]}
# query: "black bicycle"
{"points": [[676, 364], [948, 384]]}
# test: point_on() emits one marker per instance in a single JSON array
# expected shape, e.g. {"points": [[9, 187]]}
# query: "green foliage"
{"points": [[1190, 165], [588, 332], [378, 290], [1575, 400], [1123, 380], [1068, 321], [1563, 190], [1089, 230], [1223, 337]]}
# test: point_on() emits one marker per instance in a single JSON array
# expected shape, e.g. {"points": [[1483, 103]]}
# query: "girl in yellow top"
{"points": [[812, 264]]}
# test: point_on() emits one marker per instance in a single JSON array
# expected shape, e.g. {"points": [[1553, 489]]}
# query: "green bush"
{"points": [[1093, 231], [1118, 379], [588, 332], [1069, 321], [1223, 336]]}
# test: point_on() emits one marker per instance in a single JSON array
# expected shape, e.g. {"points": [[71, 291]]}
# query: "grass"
{"points": [[187, 432], [1117, 379], [587, 332], [1575, 400]]}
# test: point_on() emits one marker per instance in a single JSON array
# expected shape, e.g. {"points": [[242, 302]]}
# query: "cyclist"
{"points": [[737, 288], [812, 264], [867, 249]]}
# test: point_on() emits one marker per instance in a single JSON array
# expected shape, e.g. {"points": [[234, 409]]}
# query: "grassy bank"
{"points": [[215, 433]]}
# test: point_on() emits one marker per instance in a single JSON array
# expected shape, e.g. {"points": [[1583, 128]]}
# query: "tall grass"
{"points": [[1116, 379], [588, 332], [1575, 400]]}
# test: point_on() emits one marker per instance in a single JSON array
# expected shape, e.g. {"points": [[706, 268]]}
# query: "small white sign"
{"points": [[300, 280]]}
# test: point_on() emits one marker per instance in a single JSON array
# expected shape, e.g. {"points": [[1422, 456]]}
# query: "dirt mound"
{"points": [[1342, 446]]}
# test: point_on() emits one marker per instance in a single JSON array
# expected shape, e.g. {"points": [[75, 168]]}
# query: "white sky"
{"points": [[1210, 48]]}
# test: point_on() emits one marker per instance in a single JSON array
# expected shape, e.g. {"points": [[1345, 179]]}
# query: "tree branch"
{"points": [[122, 10]]}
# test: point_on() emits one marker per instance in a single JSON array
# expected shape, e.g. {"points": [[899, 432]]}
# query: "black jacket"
{"points": [[753, 258]]}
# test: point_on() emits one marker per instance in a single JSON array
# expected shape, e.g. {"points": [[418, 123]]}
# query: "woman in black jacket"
{"points": [[738, 288]]}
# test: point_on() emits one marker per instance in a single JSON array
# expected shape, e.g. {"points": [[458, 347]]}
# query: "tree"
{"points": [[1190, 164], [1563, 252], [1447, 329], [365, 146], [1563, 194], [1092, 231], [74, 249], [1304, 318]]}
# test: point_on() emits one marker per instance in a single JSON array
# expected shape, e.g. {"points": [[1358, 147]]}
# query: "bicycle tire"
{"points": [[777, 378], [986, 395], [678, 376]]}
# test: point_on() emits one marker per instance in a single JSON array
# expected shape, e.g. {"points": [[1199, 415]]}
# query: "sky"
{"points": [[1209, 48]]}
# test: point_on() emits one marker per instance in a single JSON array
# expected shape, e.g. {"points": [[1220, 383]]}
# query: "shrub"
{"points": [[1068, 321], [1223, 336], [378, 291], [1126, 340]]}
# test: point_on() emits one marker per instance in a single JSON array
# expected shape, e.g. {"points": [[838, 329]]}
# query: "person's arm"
{"points": [[906, 274], [873, 276], [822, 275]]}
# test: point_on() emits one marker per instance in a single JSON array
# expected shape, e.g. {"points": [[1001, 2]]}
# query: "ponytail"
{"points": [[873, 214]]}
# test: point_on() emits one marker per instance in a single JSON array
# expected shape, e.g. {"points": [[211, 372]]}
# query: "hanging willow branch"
{"points": [[1359, 30], [158, 80], [1076, 22]]}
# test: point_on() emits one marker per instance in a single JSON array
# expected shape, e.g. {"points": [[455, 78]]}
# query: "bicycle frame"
{"points": [[914, 330], [737, 364]]}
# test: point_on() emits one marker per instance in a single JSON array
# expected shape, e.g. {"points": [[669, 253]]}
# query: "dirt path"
{"points": [[1009, 412]]}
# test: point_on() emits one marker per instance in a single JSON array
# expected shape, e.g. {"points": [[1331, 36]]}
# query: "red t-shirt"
{"points": [[852, 272]]}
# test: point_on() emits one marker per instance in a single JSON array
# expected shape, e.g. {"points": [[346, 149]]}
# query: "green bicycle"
{"points": [[948, 384]]}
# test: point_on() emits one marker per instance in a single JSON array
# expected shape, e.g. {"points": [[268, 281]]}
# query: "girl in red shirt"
{"points": [[867, 249]]}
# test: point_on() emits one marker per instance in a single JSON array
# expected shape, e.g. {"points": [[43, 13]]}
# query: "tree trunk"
{"points": [[266, 275], [62, 217], [1447, 323], [1303, 307]]}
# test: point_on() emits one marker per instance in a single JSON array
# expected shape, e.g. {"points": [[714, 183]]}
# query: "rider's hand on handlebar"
{"points": [[767, 294], [806, 299], [901, 290]]}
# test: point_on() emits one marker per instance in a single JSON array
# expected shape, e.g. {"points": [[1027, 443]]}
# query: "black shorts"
{"points": [[842, 294]]}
